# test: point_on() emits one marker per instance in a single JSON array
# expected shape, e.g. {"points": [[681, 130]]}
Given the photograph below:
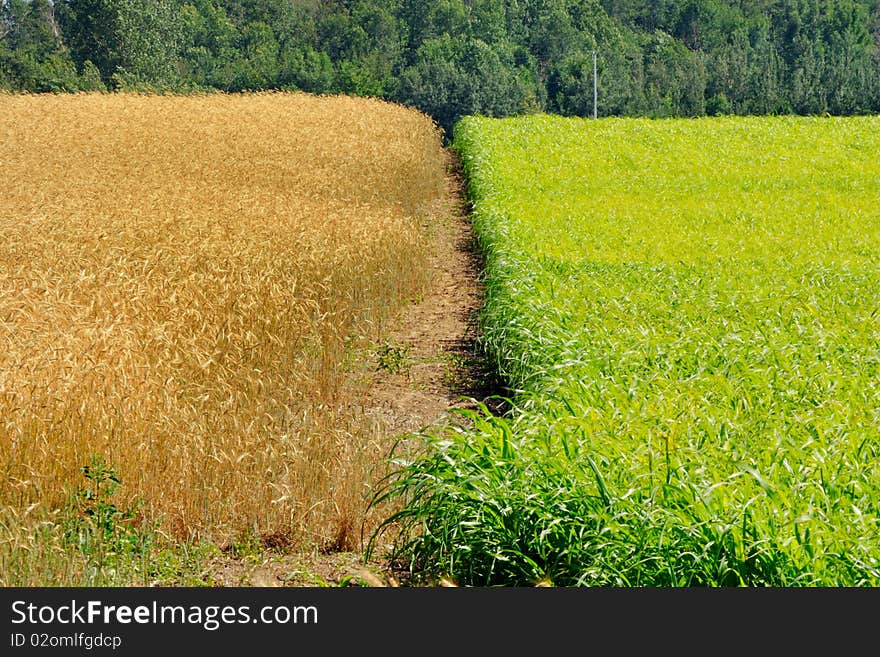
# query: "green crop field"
{"points": [[688, 315]]}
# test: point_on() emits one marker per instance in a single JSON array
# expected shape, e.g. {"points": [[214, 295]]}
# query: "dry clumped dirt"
{"points": [[431, 366]]}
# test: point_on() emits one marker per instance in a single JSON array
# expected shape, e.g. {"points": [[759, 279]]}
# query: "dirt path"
{"points": [[428, 364], [435, 339]]}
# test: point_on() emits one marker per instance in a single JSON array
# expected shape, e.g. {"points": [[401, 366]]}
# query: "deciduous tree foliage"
{"points": [[456, 57]]}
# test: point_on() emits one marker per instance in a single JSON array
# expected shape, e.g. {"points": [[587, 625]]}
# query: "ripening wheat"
{"points": [[179, 280]]}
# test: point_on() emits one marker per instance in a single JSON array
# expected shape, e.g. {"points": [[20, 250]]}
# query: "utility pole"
{"points": [[595, 88]]}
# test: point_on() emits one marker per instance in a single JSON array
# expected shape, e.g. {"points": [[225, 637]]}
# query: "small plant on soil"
{"points": [[394, 359]]}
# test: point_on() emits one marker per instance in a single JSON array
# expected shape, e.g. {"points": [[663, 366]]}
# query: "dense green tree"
{"points": [[91, 30], [32, 54], [570, 85], [306, 69], [210, 45], [553, 36], [150, 43], [675, 78], [131, 42], [454, 57], [727, 88], [453, 76], [435, 82]]}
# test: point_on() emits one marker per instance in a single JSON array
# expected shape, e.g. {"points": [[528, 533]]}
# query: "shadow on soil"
{"points": [[473, 372]]}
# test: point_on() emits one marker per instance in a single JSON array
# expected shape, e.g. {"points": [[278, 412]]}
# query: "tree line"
{"points": [[455, 57]]}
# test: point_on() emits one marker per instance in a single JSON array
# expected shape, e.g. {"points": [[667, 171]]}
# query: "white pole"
{"points": [[595, 89]]}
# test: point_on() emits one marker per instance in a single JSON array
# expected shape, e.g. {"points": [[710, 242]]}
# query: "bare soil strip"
{"points": [[428, 364], [435, 338]]}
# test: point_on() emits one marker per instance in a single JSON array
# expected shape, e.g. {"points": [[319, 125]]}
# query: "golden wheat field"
{"points": [[180, 280]]}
